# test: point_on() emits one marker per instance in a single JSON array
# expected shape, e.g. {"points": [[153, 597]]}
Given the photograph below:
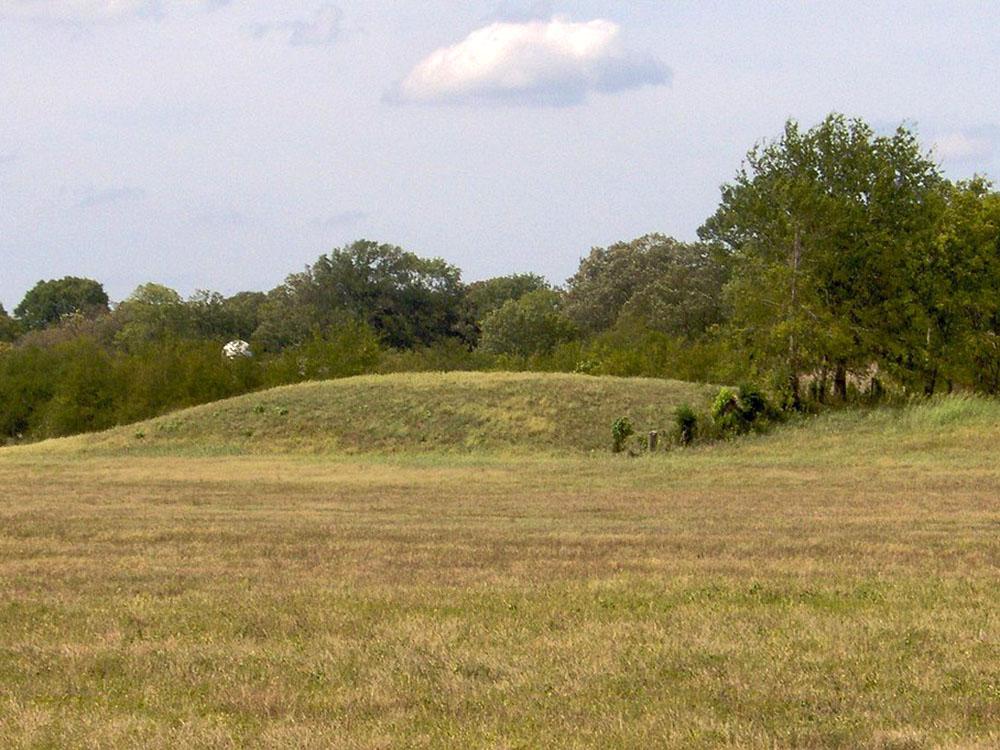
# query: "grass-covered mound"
{"points": [[537, 412]]}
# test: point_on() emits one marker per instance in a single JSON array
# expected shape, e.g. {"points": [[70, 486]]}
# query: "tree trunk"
{"points": [[821, 383], [930, 382], [793, 348], [840, 381], [793, 387]]}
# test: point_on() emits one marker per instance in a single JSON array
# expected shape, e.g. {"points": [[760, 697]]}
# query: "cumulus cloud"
{"points": [[964, 147], [556, 62], [82, 11], [325, 26]]}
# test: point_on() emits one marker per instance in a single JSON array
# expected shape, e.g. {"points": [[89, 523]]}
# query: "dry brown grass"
{"points": [[831, 586]]}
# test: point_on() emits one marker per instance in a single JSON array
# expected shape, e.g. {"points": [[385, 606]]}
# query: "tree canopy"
{"points": [[826, 229], [532, 324], [406, 299], [48, 301], [668, 285]]}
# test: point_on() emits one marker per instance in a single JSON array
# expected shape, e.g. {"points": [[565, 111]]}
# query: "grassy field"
{"points": [[416, 412], [833, 585]]}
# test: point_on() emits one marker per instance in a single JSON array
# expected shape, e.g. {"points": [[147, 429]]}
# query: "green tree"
{"points": [[351, 348], [49, 301], [150, 313], [483, 297], [665, 284], [821, 227], [957, 291], [86, 390], [533, 324], [490, 294], [406, 299], [9, 328]]}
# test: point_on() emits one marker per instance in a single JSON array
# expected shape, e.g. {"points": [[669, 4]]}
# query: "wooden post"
{"points": [[652, 440]]}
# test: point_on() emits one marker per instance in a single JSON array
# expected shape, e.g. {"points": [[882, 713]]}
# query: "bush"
{"points": [[687, 424], [351, 349], [736, 414], [726, 412], [621, 431], [753, 404], [448, 355]]}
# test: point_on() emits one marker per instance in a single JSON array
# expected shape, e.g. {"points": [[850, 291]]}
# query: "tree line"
{"points": [[839, 264]]}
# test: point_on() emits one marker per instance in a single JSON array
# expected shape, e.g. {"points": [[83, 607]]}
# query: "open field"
{"points": [[833, 585]]}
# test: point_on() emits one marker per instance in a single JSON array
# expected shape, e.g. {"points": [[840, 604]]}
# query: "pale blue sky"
{"points": [[222, 145]]}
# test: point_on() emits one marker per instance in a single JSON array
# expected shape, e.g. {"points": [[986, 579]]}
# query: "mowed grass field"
{"points": [[835, 584]]}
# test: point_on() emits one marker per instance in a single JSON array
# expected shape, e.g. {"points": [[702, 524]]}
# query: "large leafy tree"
{"points": [[822, 227], [217, 317], [532, 324], [152, 312], [667, 285], [49, 301], [956, 292], [488, 295], [406, 299]]}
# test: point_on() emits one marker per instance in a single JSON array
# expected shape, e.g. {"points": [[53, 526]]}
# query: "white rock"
{"points": [[237, 348]]}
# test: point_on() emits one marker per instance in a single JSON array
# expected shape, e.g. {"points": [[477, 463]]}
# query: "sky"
{"points": [[223, 144]]}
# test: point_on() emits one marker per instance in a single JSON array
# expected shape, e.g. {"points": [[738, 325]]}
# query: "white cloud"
{"points": [[963, 147], [556, 62], [80, 11]]}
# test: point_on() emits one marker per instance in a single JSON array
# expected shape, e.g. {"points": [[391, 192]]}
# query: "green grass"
{"points": [[834, 584], [428, 412]]}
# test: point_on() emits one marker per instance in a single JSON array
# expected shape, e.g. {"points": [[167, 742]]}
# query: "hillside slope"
{"points": [[518, 412]]}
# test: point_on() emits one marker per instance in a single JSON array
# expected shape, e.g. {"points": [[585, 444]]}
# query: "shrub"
{"points": [[735, 414], [687, 423], [753, 404], [726, 412], [621, 431]]}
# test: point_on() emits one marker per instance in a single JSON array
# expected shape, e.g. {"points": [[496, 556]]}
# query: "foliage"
{"points": [[448, 355], [734, 413], [839, 263], [621, 431], [10, 329], [822, 228], [49, 301], [665, 285], [531, 325], [687, 423], [152, 312], [350, 349], [726, 410], [489, 295], [236, 317], [405, 299]]}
